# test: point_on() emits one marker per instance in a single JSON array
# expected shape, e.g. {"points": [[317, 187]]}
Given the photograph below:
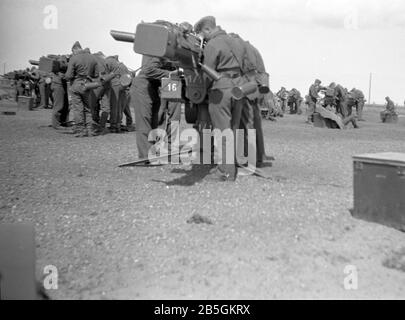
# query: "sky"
{"points": [[300, 40]]}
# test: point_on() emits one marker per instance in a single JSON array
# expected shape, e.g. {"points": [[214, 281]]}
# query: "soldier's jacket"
{"points": [[340, 93], [82, 65], [390, 106], [313, 92], [58, 78], [154, 69], [356, 95], [258, 73], [225, 55], [294, 95], [113, 65], [262, 77], [283, 94]]}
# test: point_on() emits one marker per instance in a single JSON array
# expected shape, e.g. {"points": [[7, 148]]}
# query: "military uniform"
{"points": [[100, 97], [294, 101], [259, 75], [356, 98], [146, 100], [60, 112], [313, 98], [44, 92], [283, 96], [82, 69], [20, 87], [117, 94], [129, 121], [224, 54], [389, 110], [341, 96]]}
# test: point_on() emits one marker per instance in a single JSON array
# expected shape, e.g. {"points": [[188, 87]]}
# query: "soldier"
{"points": [[82, 69], [101, 96], [294, 101], [20, 86], [225, 55], [283, 96], [146, 100], [389, 111], [60, 112], [129, 121], [341, 99], [44, 92], [118, 97], [359, 102], [313, 98], [258, 74]]}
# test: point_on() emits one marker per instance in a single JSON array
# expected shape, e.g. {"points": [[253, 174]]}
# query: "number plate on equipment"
{"points": [[171, 89]]}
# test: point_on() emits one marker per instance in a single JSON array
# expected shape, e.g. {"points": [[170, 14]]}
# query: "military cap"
{"points": [[202, 22], [186, 27], [77, 45]]}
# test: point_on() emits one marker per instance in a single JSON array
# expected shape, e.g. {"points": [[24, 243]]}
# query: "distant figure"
{"points": [[294, 101], [283, 96], [389, 114], [356, 99], [313, 99]]}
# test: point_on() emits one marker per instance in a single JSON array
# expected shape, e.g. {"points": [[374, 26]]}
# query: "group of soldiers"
{"points": [[337, 99], [99, 90], [84, 86], [238, 62], [28, 84], [291, 99]]}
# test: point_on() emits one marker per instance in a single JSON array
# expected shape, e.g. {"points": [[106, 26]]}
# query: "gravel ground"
{"points": [[166, 233]]}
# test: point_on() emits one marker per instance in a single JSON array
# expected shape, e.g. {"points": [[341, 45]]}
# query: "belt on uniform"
{"points": [[83, 79], [231, 76], [230, 73]]}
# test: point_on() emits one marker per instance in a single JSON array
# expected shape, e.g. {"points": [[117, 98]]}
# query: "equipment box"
{"points": [[171, 89], [49, 65], [379, 188], [25, 103]]}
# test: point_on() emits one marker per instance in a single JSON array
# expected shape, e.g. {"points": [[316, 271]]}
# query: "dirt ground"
{"points": [[122, 233]]}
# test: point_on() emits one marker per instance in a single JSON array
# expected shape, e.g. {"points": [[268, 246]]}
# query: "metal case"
{"points": [[379, 188]]}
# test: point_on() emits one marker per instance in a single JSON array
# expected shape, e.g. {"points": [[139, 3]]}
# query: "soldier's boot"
{"points": [[81, 131], [103, 121]]}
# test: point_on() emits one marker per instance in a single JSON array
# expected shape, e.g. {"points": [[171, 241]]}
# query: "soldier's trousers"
{"points": [[359, 109], [146, 102], [311, 109], [257, 124], [343, 108], [60, 112], [283, 105], [226, 113], [246, 123], [44, 92], [172, 113], [126, 109], [117, 101], [81, 106], [100, 102]]}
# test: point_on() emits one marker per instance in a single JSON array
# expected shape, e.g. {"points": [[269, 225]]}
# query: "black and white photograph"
{"points": [[216, 150]]}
